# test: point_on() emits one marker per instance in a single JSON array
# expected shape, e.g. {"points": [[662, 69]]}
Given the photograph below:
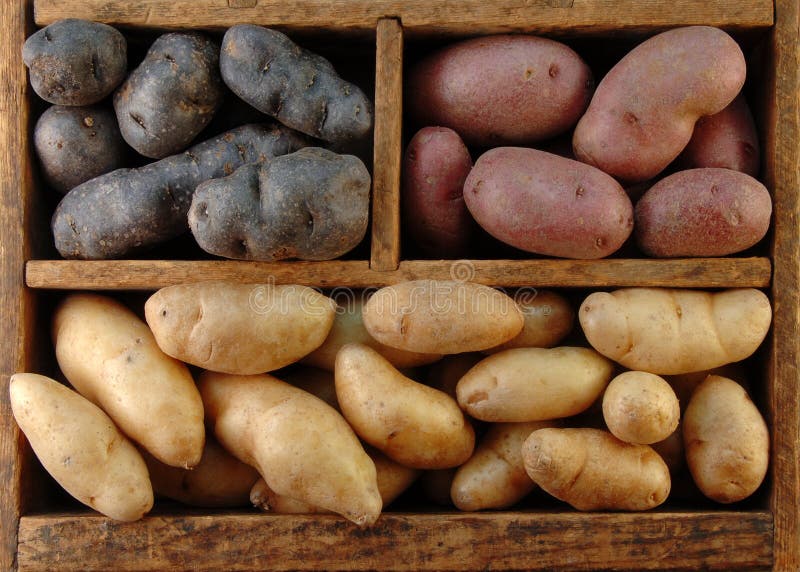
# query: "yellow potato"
{"points": [[534, 384], [413, 424], [110, 357], [266, 499], [548, 320], [81, 447], [640, 407], [239, 328], [726, 440], [673, 331], [495, 477], [592, 470], [444, 317], [348, 328], [300, 445], [218, 480]]}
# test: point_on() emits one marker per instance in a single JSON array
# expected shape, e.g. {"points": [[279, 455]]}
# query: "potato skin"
{"points": [[501, 90], [726, 440], [441, 316], [75, 62], [81, 447], [171, 97], [643, 112], [549, 318], [534, 384], [75, 144], [298, 88], [673, 331], [702, 212], [543, 203], [592, 470], [435, 165], [110, 357], [312, 204], [639, 407]]}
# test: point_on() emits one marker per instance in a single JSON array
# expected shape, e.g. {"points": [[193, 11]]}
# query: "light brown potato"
{"points": [[534, 384], [592, 470], [81, 447], [441, 316], [684, 384], [726, 440], [264, 422], [238, 328], [264, 498], [110, 357], [445, 375], [495, 477], [413, 424], [218, 480], [348, 328], [548, 320], [639, 407], [673, 331]]}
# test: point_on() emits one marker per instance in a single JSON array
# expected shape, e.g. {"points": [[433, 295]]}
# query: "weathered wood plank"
{"points": [[388, 143], [589, 17], [152, 274], [436, 541]]}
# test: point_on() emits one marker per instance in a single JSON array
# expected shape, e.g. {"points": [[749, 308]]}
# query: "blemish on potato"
{"points": [[553, 71]]}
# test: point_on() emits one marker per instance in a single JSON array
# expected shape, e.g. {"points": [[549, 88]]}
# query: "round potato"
{"points": [[81, 447], [546, 204], [726, 440], [640, 407], [500, 90], [534, 384], [549, 318], [444, 317], [239, 328]]}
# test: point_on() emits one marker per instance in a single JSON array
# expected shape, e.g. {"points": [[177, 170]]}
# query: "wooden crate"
{"points": [[34, 535]]}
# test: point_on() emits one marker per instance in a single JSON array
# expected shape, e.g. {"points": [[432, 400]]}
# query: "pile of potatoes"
{"points": [[277, 395], [560, 164], [278, 183]]}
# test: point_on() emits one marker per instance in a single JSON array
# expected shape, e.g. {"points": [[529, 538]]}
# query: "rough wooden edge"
{"points": [[385, 253], [782, 176], [589, 17], [398, 541], [153, 274]]}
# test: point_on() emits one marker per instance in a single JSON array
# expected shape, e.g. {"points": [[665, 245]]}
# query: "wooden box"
{"points": [[37, 533]]}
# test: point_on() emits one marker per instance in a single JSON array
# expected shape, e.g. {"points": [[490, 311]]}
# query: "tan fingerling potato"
{"points": [[110, 357], [548, 320], [534, 384], [413, 424], [266, 499], [592, 470], [239, 328], [726, 440], [81, 447], [639, 407], [441, 316], [495, 477], [673, 331], [300, 445]]}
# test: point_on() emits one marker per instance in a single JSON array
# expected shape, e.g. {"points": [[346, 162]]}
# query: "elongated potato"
{"points": [[348, 328], [441, 316], [110, 357], [548, 320], [639, 407], [300, 445], [218, 480], [592, 470], [534, 384], [81, 447], [413, 424], [673, 331], [726, 440], [238, 328], [495, 477]]}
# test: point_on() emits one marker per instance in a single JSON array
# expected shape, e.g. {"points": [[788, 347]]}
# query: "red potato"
{"points": [[501, 90], [727, 139], [644, 110], [702, 212], [435, 165], [547, 204]]}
